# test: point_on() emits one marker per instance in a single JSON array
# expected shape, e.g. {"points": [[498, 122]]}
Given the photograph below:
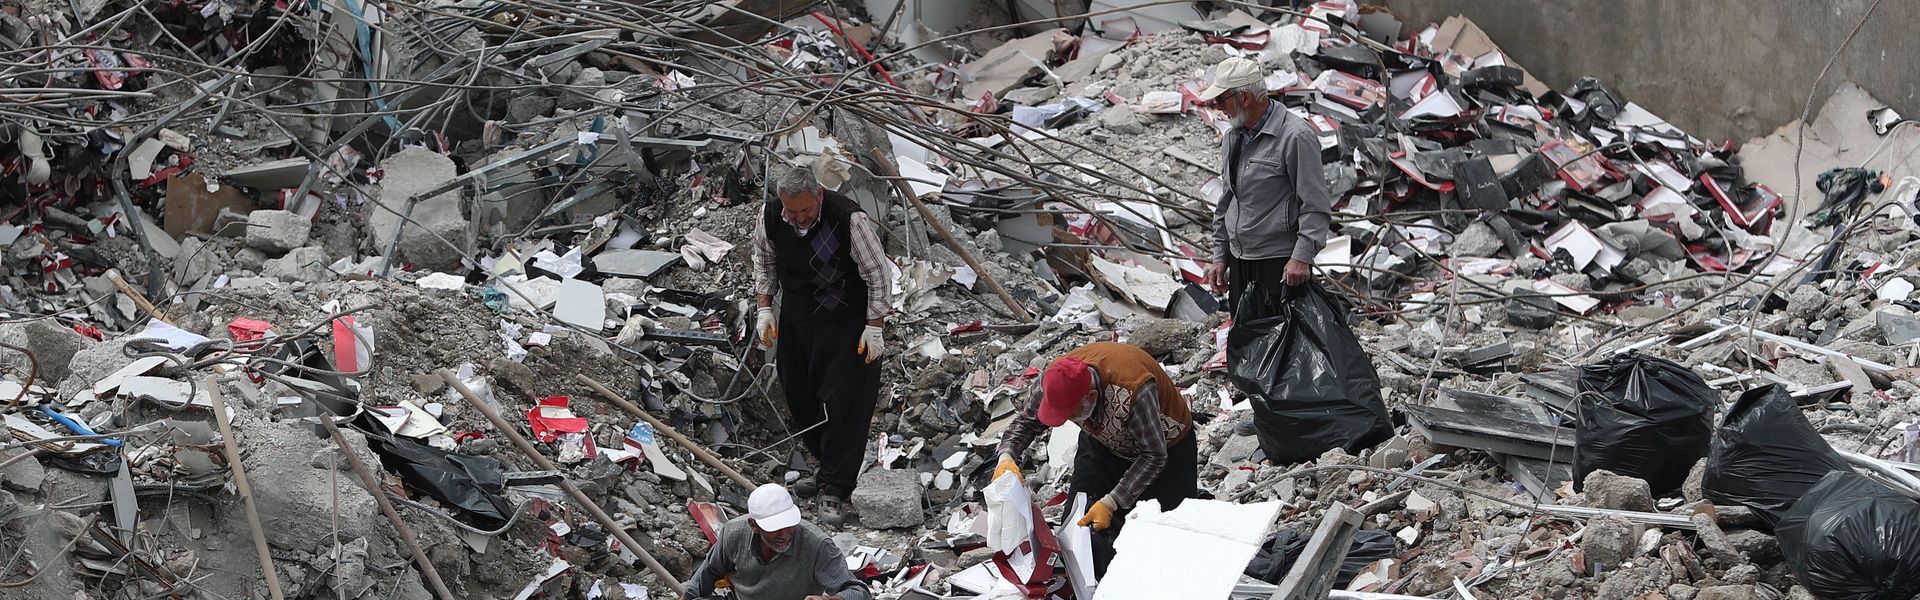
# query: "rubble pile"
{"points": [[453, 300]]}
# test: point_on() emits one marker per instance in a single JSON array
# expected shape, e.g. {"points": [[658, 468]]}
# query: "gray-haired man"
{"points": [[1276, 213], [819, 251]]}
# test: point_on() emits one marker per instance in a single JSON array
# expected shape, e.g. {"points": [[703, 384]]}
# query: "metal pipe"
{"points": [[1883, 468], [885, 163]]}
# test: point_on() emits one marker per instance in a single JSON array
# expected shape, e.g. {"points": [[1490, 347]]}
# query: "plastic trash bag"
{"points": [[1766, 455], [1276, 556], [471, 483], [1009, 513], [1642, 416], [1853, 538], [1312, 383]]}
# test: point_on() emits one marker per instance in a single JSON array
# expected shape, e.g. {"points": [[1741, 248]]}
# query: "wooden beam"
{"points": [[1313, 574]]}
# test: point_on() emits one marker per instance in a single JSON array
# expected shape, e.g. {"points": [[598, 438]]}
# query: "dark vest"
{"points": [[818, 276]]}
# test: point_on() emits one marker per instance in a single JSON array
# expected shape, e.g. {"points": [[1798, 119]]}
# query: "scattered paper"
{"points": [[175, 337], [1207, 542]]}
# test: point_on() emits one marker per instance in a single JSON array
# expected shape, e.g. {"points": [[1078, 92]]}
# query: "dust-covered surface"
{"points": [[1090, 221]]}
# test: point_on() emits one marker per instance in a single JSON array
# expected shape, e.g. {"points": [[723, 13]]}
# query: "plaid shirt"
{"points": [[1143, 425], [867, 253]]}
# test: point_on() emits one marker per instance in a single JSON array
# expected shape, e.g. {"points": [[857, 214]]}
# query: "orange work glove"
{"points": [[1007, 466], [1100, 515]]}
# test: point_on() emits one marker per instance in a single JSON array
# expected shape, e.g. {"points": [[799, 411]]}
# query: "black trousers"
{"points": [[1097, 470], [825, 377], [1270, 272]]}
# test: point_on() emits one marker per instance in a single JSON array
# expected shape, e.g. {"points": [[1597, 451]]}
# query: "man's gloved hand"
{"points": [[1100, 515], [871, 343], [767, 328], [1007, 466]]}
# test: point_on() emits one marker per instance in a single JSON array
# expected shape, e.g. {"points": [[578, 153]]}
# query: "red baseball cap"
{"points": [[1063, 386]]}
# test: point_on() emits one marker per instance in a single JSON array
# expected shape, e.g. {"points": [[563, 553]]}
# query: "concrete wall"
{"points": [[1721, 69]]}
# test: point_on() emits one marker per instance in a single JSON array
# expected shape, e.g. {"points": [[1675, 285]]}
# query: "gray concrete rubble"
{"points": [[427, 231], [276, 231], [555, 209]]}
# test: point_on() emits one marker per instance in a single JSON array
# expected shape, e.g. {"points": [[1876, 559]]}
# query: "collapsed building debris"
{"points": [[447, 300]]}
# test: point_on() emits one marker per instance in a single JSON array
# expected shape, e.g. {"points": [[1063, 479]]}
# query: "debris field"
{"points": [[453, 299]]}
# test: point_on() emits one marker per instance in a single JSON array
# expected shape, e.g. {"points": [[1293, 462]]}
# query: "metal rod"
{"points": [[658, 425], [224, 418], [393, 516], [885, 164], [579, 497]]}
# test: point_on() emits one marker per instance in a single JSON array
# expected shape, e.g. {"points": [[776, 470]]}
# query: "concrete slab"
{"points": [[581, 304], [634, 263]]}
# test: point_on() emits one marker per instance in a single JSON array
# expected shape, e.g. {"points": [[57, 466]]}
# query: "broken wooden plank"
{"points": [[1313, 573]]}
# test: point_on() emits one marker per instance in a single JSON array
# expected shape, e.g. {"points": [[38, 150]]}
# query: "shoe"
{"points": [[831, 510], [1245, 428]]}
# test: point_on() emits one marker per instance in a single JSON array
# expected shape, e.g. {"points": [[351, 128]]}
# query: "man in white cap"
{"points": [[1275, 214], [770, 554]]}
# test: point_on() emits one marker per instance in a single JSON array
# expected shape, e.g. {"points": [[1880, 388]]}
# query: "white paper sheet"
{"points": [[1076, 549], [1206, 542], [175, 337]]}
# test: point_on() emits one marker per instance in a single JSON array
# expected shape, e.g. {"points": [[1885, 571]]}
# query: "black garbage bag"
{"points": [[1313, 385], [1853, 538], [1642, 416], [471, 483], [1276, 556], [1765, 454]]}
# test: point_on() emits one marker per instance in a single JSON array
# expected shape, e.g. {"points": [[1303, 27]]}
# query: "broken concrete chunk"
{"points": [[1609, 541], [277, 231], [306, 263], [889, 498], [53, 346], [1477, 240], [1618, 492], [437, 220]]}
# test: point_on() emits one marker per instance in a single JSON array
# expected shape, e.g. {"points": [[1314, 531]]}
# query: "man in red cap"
{"points": [[1136, 434]]}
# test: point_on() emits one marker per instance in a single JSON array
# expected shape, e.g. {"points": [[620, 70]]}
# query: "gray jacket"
{"points": [[1276, 203], [811, 566]]}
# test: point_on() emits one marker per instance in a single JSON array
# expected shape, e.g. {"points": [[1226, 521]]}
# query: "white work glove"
{"points": [[767, 329], [871, 343]]}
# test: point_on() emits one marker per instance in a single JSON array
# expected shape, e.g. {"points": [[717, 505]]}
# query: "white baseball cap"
{"points": [[771, 508], [1232, 73]]}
